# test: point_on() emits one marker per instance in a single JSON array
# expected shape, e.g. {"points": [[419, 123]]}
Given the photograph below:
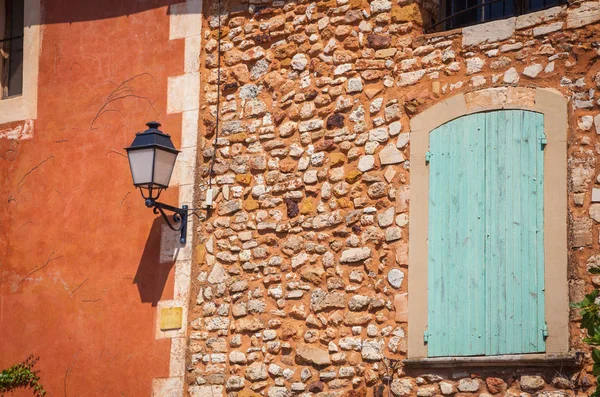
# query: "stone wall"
{"points": [[301, 266]]}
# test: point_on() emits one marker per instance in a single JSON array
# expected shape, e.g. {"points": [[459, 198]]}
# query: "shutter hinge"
{"points": [[428, 156], [543, 141], [545, 330], [426, 335]]}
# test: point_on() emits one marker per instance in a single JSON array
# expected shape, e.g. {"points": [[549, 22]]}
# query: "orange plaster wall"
{"points": [[79, 251]]}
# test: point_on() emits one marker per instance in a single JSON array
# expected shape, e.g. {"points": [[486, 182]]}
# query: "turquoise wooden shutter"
{"points": [[486, 265], [514, 232], [456, 244]]}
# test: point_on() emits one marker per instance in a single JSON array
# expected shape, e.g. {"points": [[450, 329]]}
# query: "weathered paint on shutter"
{"points": [[515, 232], [486, 265], [456, 244]]}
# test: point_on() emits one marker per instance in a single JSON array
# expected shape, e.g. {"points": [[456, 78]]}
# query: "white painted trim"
{"points": [[183, 96]]}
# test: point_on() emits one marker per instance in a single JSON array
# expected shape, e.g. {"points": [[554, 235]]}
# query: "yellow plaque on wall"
{"points": [[170, 318]]}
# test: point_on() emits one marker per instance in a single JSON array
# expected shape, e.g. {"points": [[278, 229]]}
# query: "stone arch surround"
{"points": [[553, 106]]}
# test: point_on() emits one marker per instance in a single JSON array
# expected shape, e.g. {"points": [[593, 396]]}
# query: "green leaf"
{"points": [[22, 375], [595, 270], [596, 355], [595, 340], [596, 370], [588, 322]]}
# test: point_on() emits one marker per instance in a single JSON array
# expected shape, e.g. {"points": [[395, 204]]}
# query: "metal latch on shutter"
{"points": [[543, 141], [426, 335], [545, 330], [427, 156]]}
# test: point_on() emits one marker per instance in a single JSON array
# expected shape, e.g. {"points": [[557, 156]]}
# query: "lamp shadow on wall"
{"points": [[81, 11], [151, 276]]}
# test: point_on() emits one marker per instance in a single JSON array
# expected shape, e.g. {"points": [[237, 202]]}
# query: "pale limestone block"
{"points": [[168, 241], [403, 140], [477, 81], [490, 97], [511, 47], [206, 391], [520, 96], [389, 174], [410, 78], [299, 62], [532, 70], [456, 85], [366, 163], [167, 387], [584, 15], [189, 128], [390, 155], [585, 123], [186, 195], [177, 361], [183, 93], [511, 76], [547, 29], [170, 247], [184, 172], [192, 54], [474, 65], [535, 18], [596, 195], [386, 218], [186, 19], [597, 123], [395, 278], [488, 32], [595, 212], [395, 128], [183, 272], [468, 385]]}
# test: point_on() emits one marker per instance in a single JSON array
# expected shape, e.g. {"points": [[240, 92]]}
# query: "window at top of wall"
{"points": [[460, 13], [11, 46]]}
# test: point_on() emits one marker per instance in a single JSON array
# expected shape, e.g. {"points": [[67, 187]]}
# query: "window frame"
{"points": [[554, 108], [444, 22], [24, 106]]}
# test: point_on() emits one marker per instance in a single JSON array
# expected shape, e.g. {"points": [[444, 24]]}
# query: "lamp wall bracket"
{"points": [[180, 216]]}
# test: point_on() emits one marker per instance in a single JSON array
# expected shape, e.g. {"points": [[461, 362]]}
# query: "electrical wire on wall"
{"points": [[209, 192]]}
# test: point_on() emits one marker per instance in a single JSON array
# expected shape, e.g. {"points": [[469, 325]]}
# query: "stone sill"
{"points": [[510, 360]]}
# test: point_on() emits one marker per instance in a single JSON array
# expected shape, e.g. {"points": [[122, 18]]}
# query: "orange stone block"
{"points": [[250, 204], [344, 203], [353, 176], [200, 253], [307, 207], [337, 159], [409, 13], [401, 307], [244, 179], [238, 138]]}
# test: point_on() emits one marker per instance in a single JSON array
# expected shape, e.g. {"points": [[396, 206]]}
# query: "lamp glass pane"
{"points": [[165, 162], [141, 162]]}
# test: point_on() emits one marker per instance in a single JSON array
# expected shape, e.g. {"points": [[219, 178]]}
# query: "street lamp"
{"points": [[152, 159]]}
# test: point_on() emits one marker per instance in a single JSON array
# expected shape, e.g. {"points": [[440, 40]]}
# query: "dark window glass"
{"points": [[12, 65], [461, 13]]}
